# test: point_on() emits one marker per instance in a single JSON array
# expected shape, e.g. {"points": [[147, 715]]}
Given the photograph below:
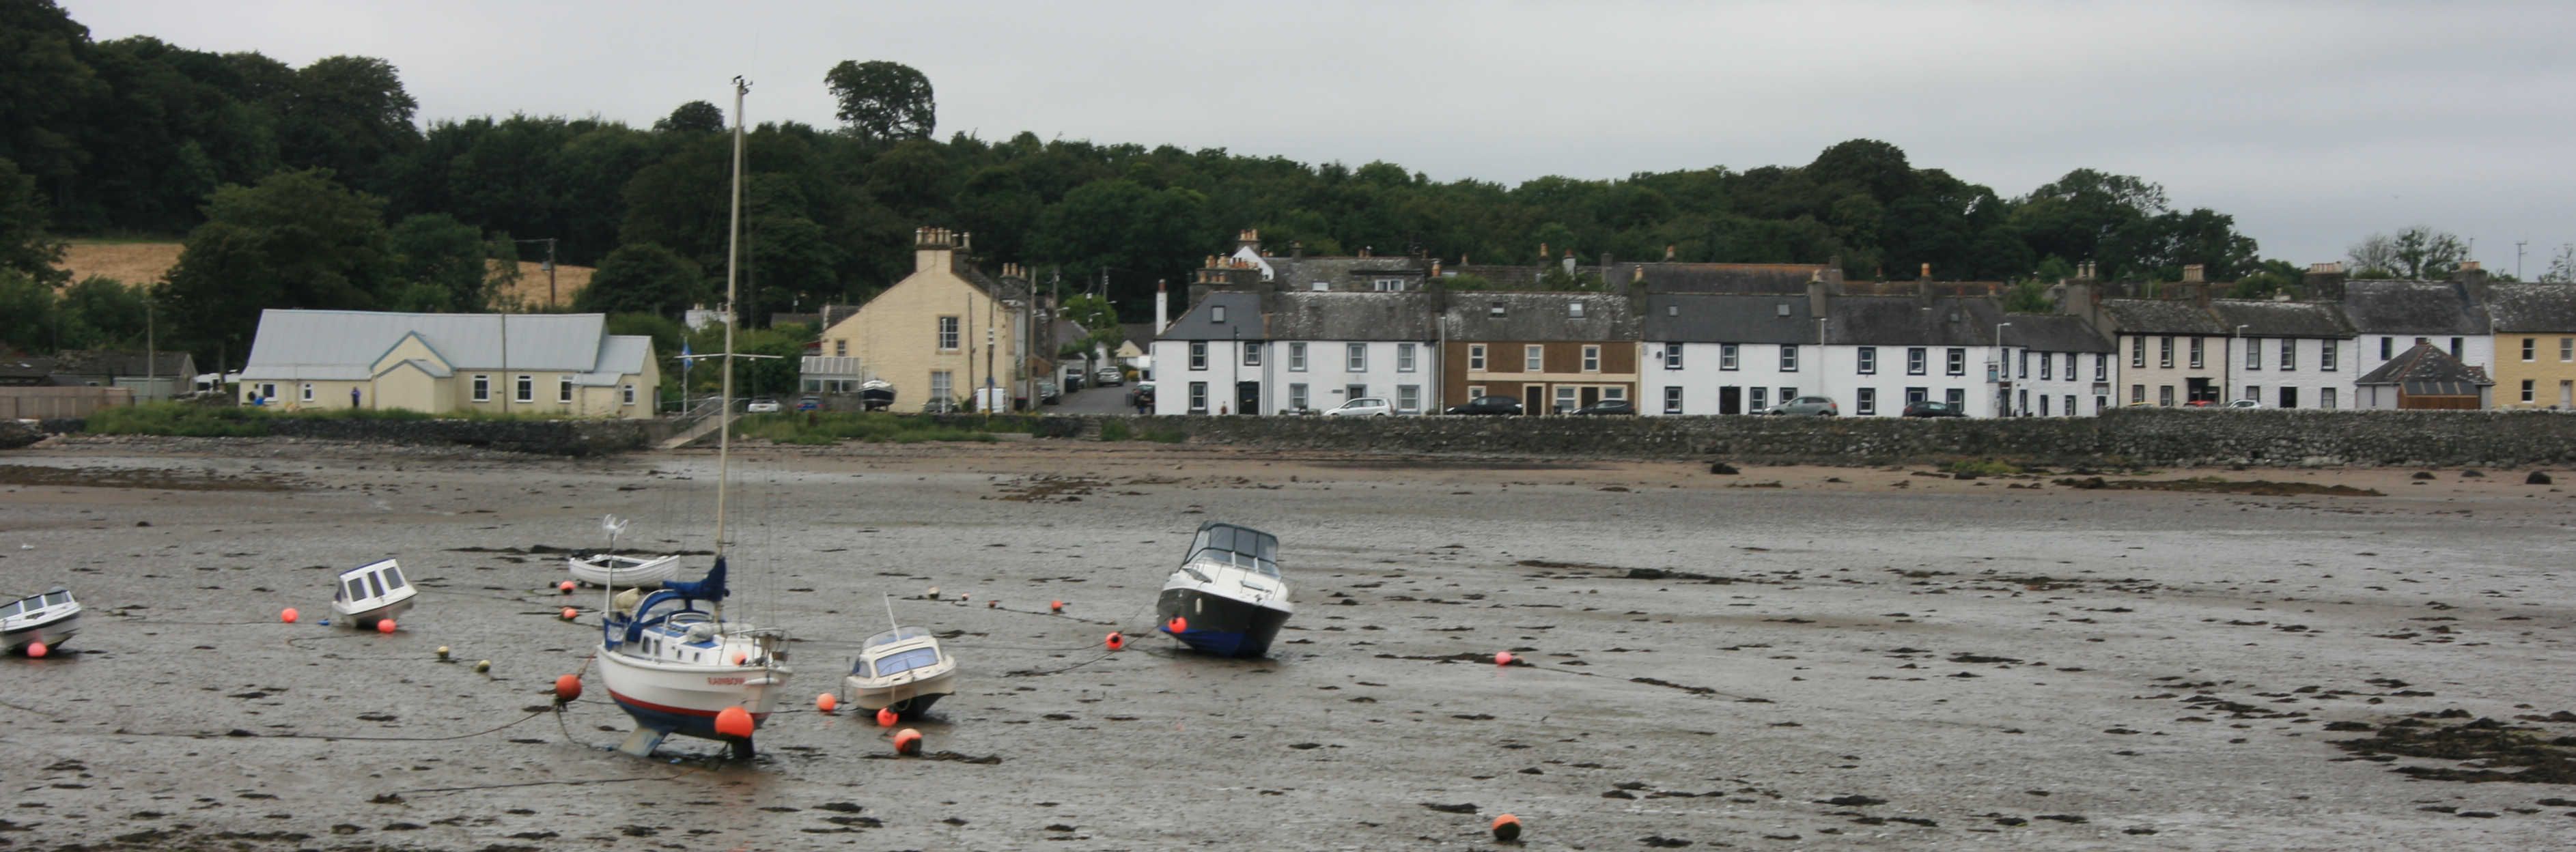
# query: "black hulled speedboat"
{"points": [[1226, 598]]}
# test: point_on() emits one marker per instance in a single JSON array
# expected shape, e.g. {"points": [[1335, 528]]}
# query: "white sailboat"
{"points": [[678, 668]]}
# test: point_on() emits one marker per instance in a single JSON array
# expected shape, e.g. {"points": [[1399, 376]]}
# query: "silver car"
{"points": [[1367, 406], [1821, 406]]}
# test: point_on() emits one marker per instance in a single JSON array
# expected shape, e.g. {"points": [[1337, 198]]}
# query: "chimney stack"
{"points": [[1926, 274], [2324, 281], [1248, 239], [1296, 249], [1162, 307], [1569, 261], [1668, 254], [1364, 250]]}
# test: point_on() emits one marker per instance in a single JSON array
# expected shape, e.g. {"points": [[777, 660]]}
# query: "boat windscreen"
{"points": [[895, 664], [376, 583], [899, 634], [13, 608], [393, 576], [1258, 546], [357, 589], [57, 598]]}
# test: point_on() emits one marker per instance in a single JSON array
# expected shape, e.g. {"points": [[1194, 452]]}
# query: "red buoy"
{"points": [[734, 722], [1503, 658], [570, 613], [567, 688], [1055, 606], [1507, 828], [1116, 641], [385, 626], [993, 604], [886, 717], [907, 741], [826, 702], [1178, 625], [565, 586], [288, 616], [35, 649]]}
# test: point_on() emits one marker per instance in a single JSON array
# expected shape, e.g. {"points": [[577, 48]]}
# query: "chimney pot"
{"points": [[1927, 272], [1668, 254], [2468, 266]]}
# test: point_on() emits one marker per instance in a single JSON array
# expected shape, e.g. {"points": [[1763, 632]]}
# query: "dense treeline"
{"points": [[134, 136]]}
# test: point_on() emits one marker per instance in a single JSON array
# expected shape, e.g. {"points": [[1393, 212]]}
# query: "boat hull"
{"points": [[623, 571], [53, 633], [909, 699], [366, 619], [1216, 624], [684, 699]]}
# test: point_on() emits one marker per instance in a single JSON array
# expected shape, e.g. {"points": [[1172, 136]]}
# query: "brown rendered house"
{"points": [[1554, 352]]}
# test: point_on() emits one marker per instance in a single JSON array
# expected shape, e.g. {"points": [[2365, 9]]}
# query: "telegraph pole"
{"points": [[550, 267]]}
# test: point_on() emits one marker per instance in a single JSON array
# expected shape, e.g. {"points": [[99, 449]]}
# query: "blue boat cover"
{"points": [[709, 588]]}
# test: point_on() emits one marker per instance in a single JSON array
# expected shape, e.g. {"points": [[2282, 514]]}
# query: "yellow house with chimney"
{"points": [[945, 331]]}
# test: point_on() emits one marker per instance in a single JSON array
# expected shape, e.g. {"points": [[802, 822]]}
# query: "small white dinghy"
{"points": [[370, 593], [903, 668], [49, 618], [611, 569]]}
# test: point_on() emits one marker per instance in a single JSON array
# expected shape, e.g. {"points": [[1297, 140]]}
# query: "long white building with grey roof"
{"points": [[546, 364]]}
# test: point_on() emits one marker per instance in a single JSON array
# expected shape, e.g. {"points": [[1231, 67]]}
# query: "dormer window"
{"points": [[1574, 310], [1321, 286], [1216, 313], [1498, 309], [1672, 310], [1389, 285]]}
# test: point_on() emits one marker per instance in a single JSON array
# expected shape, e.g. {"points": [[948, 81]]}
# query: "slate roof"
{"points": [[1242, 315], [2411, 307], [2532, 307], [341, 345], [1911, 321], [2267, 318], [2052, 333], [1538, 317], [1500, 275], [1135, 332], [2426, 370], [122, 362], [1765, 278], [1711, 318], [1353, 316], [1342, 273], [2160, 316]]}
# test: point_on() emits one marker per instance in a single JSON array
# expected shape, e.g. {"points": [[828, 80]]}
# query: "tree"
{"points": [[645, 278], [438, 265], [101, 312], [24, 247], [2562, 268], [2418, 253], [27, 306], [883, 101], [348, 114], [44, 79], [295, 240], [692, 117]]}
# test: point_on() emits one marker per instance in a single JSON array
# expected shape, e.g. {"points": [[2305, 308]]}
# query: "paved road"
{"points": [[1095, 400]]}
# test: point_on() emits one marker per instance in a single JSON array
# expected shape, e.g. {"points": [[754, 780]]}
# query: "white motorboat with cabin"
{"points": [[1227, 597], [903, 668], [675, 667], [370, 593], [50, 618]]}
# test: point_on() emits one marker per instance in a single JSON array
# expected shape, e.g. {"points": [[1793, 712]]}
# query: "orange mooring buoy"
{"points": [[907, 741], [1116, 641], [570, 613], [734, 722], [35, 649], [385, 626], [1055, 606], [288, 616], [886, 717], [1503, 658], [1178, 625], [565, 587], [567, 688], [1507, 828], [826, 702]]}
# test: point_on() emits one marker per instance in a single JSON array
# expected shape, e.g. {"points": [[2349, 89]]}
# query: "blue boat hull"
{"points": [[1219, 625]]}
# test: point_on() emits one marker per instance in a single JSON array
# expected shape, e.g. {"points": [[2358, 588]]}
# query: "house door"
{"points": [[2289, 397], [2198, 389], [2566, 394], [1591, 395], [1247, 397], [1533, 399], [1730, 400]]}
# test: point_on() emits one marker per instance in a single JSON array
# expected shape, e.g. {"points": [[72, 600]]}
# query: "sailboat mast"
{"points": [[733, 266]]}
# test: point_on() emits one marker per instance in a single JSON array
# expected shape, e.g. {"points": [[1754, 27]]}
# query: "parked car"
{"points": [[1367, 406], [2201, 403], [1609, 407], [1821, 406], [762, 405], [2244, 403], [809, 403], [1933, 408], [1048, 394], [1111, 377], [1502, 405]]}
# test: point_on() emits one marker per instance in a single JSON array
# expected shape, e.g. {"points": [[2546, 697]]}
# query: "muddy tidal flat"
{"points": [[1780, 658]]}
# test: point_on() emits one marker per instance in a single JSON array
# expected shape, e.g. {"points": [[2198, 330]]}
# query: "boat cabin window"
{"points": [[13, 608], [917, 658], [377, 583], [357, 588], [57, 598], [393, 576], [899, 634], [1249, 549]]}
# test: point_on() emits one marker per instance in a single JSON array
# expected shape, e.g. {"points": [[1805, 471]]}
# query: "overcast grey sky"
{"points": [[2311, 123]]}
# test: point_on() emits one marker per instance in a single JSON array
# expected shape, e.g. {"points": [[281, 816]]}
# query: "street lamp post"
{"points": [[1234, 366], [2003, 374]]}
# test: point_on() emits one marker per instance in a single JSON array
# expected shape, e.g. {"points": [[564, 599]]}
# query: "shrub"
{"points": [[1114, 430], [1983, 467], [172, 418]]}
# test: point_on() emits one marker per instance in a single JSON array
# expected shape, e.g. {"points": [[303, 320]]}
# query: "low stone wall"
{"points": [[2169, 437], [547, 437]]}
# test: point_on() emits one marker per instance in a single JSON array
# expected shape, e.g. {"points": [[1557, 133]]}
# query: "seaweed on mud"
{"points": [[2488, 750], [2216, 485]]}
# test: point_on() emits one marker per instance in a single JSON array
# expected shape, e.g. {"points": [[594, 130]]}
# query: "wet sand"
{"points": [[1769, 660]]}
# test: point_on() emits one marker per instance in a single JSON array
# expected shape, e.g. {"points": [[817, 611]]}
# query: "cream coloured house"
{"points": [[943, 330], [547, 364]]}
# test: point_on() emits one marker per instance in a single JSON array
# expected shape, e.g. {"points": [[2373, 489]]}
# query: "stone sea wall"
{"points": [[2133, 436], [547, 437]]}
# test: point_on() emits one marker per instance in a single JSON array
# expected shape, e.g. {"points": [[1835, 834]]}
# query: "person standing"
{"points": [[353, 397]]}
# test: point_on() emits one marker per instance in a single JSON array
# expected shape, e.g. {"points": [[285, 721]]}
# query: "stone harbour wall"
{"points": [[545, 437], [2171, 437]]}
